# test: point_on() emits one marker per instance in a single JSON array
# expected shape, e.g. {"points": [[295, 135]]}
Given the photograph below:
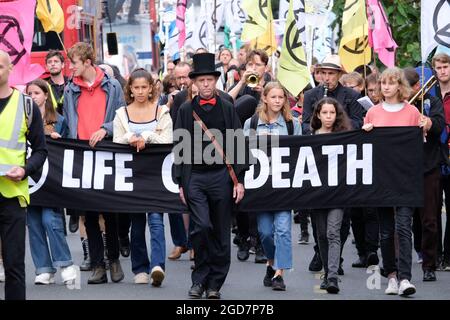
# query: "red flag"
{"points": [[380, 33], [16, 35]]}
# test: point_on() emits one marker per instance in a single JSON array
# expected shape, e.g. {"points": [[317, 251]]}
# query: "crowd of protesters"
{"points": [[97, 103]]}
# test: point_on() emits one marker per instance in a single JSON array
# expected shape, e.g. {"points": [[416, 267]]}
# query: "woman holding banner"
{"points": [[394, 111], [329, 116], [273, 117], [48, 222], [143, 122]]}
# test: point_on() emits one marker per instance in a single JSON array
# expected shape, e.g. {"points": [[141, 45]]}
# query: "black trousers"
{"points": [[366, 229], [246, 225], [96, 247], [444, 231], [12, 234], [209, 198], [428, 219], [124, 221]]}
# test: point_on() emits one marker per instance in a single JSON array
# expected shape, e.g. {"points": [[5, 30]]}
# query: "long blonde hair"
{"points": [[262, 110]]}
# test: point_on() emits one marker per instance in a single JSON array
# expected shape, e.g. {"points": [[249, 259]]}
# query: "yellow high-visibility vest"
{"points": [[52, 96], [13, 129]]}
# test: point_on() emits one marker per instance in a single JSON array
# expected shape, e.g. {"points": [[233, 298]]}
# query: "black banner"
{"points": [[380, 168], [351, 169], [109, 178]]}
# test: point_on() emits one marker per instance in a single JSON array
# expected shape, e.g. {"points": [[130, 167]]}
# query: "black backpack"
{"points": [[254, 124]]}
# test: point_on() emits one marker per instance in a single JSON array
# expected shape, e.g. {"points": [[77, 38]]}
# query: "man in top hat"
{"points": [[206, 186], [331, 70]]}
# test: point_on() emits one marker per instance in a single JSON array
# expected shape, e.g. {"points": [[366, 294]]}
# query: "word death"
{"points": [[306, 168]]}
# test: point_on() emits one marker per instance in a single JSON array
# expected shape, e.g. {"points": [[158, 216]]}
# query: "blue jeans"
{"points": [[139, 254], [274, 229], [43, 223]]}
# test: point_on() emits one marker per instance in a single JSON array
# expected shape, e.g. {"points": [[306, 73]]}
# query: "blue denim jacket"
{"points": [[277, 128]]}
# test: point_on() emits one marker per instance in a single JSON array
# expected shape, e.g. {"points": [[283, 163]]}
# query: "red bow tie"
{"points": [[210, 101]]}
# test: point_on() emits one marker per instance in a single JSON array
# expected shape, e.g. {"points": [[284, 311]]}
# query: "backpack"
{"points": [[254, 124], [28, 108]]}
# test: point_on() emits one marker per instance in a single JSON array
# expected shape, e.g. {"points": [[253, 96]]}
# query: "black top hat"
{"points": [[204, 64]]}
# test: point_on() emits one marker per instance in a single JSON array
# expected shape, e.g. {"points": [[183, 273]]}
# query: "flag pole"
{"points": [[62, 43], [423, 91]]}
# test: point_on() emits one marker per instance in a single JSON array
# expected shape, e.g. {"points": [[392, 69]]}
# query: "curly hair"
{"points": [[342, 122], [136, 74]]}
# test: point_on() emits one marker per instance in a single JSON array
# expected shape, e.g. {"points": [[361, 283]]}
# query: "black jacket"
{"points": [[181, 97], [432, 153], [184, 120], [347, 97]]}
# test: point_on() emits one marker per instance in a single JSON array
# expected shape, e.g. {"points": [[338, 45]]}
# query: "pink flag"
{"points": [[380, 34], [181, 13], [16, 35]]}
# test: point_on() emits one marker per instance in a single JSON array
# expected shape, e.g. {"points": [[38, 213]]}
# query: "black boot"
{"points": [[98, 276], [86, 264]]}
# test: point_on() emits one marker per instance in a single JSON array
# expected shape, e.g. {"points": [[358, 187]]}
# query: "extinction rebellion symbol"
{"points": [[9, 29], [442, 33], [294, 41], [359, 45]]}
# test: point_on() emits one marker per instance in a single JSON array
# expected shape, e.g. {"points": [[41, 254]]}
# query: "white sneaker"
{"points": [[406, 288], [157, 276], [45, 278], [392, 287], [141, 278], [69, 274], [2, 272]]}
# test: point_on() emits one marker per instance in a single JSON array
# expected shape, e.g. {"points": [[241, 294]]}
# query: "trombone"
{"points": [[425, 88]]}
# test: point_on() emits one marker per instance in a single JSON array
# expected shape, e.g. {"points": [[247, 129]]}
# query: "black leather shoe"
{"points": [[361, 262], [268, 277], [124, 247], [212, 294], [429, 275], [196, 291], [73, 223], [316, 263], [332, 286], [372, 259]]}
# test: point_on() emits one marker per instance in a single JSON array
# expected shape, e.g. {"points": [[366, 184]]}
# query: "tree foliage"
{"points": [[404, 18]]}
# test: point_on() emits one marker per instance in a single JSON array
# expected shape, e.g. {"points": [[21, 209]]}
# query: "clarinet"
{"points": [[325, 90]]}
